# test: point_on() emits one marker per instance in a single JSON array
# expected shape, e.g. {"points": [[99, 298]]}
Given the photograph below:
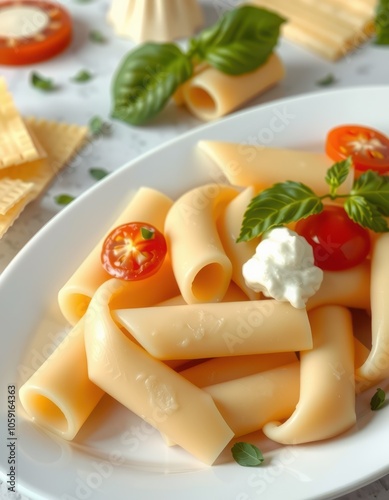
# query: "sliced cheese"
{"points": [[218, 329], [326, 405], [259, 166]]}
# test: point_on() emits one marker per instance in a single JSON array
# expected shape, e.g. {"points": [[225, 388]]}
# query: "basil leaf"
{"points": [[378, 400], [337, 174], [381, 23], [364, 213], [146, 80], [374, 188], [326, 81], [82, 76], [98, 173], [97, 37], [247, 454], [241, 41], [64, 199], [97, 126], [42, 83], [280, 204]]}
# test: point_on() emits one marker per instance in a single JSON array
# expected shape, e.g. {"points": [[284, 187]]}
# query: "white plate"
{"points": [[30, 326]]}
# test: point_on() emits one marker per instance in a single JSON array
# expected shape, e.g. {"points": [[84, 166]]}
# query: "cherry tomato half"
{"points": [[337, 241], [133, 251], [368, 148]]}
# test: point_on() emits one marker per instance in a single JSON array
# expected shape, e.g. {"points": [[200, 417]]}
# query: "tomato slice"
{"points": [[133, 251], [32, 31], [338, 242], [368, 148]]}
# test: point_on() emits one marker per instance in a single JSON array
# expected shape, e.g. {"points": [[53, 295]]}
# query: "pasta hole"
{"points": [[47, 412], [200, 98], [203, 286]]}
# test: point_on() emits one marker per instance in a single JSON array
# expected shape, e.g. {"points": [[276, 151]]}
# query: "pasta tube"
{"points": [[326, 404], [58, 396], [229, 226], [259, 166], [178, 409], [376, 367], [349, 288], [218, 370], [147, 205], [212, 94], [201, 267], [198, 331], [248, 403]]}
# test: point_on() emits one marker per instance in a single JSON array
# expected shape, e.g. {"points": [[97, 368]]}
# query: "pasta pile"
{"points": [[133, 339]]}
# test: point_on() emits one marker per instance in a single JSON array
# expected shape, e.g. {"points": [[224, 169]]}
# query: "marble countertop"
{"points": [[77, 103]]}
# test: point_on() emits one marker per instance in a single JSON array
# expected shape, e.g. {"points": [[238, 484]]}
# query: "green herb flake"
{"points": [[147, 234], [64, 199], [378, 400], [97, 37], [381, 24], [42, 83], [247, 455], [326, 81], [98, 173], [82, 76], [97, 126]]}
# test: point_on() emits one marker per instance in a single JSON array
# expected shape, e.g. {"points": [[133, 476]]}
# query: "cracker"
{"points": [[11, 192], [61, 141], [16, 144]]}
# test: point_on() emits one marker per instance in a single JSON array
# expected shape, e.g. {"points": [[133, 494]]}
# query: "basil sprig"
{"points": [[240, 42], [367, 204]]}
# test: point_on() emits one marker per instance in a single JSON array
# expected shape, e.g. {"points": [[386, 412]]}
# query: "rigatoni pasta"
{"points": [[146, 205], [326, 405], [132, 340], [211, 94]]}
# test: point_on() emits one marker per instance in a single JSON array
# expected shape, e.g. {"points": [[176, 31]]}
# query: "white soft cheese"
{"points": [[283, 268]]}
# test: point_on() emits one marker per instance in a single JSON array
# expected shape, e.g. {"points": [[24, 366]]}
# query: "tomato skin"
{"points": [[368, 148], [128, 255], [338, 242]]}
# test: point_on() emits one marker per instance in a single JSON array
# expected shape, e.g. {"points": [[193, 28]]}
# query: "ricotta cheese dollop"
{"points": [[283, 268]]}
